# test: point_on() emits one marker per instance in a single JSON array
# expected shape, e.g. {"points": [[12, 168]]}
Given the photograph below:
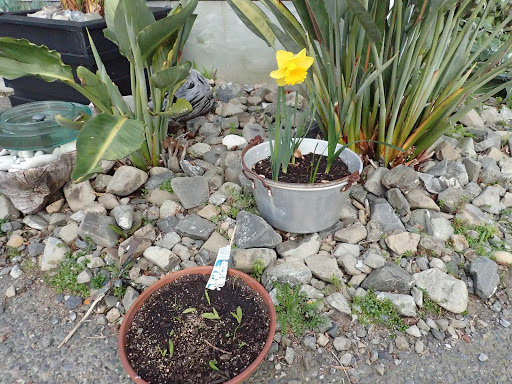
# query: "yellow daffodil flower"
{"points": [[292, 69]]}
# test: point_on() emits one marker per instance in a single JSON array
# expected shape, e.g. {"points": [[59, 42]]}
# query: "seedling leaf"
{"points": [[213, 366], [189, 310]]}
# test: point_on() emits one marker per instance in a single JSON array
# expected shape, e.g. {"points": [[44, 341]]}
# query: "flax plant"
{"points": [[397, 73]]}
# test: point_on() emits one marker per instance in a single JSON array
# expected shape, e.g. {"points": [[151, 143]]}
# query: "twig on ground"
{"points": [[216, 348]]}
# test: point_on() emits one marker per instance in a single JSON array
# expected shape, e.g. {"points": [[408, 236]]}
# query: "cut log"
{"points": [[29, 190]]}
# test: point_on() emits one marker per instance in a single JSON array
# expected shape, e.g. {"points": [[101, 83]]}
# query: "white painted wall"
{"points": [[220, 39]]}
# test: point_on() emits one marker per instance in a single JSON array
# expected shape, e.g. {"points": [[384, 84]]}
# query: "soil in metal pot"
{"points": [[200, 345], [300, 172]]}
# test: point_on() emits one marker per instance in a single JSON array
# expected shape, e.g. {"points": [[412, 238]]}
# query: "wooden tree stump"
{"points": [[29, 190]]}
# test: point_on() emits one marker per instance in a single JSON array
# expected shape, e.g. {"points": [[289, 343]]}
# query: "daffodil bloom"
{"points": [[292, 69]]}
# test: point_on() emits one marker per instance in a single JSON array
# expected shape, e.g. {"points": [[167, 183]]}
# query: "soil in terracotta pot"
{"points": [[199, 344], [300, 171]]}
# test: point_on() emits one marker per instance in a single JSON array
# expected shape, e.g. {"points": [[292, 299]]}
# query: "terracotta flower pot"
{"points": [[252, 283]]}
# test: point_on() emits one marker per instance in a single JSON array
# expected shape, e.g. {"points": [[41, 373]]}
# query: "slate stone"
{"points": [[383, 213], [168, 224], [254, 232], [291, 272], [192, 191], [195, 227], [485, 276], [96, 227], [388, 279], [156, 181]]}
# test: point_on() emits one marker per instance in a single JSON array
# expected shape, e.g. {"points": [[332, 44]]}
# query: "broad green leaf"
{"points": [[179, 108], [93, 84], [288, 21], [120, 15], [166, 78], [113, 92], [19, 57], [189, 310], [255, 19], [73, 124], [320, 19], [335, 9], [366, 21], [155, 34], [105, 137]]}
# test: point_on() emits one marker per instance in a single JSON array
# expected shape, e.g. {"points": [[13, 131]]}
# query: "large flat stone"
{"points": [[96, 227], [389, 278], [254, 232], [447, 291], [192, 191], [195, 227], [126, 180], [292, 272]]}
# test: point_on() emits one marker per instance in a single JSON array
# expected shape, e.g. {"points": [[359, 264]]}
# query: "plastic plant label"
{"points": [[220, 269]]}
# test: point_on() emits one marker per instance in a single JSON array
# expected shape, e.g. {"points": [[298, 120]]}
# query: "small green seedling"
{"points": [[258, 268], [238, 315], [207, 297], [163, 352], [242, 344], [189, 310], [171, 348], [213, 365], [214, 315]]}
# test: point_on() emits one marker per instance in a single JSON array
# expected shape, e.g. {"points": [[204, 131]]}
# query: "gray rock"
{"points": [[324, 268], [472, 119], [309, 342], [35, 249], [54, 251], [211, 129], [79, 196], [473, 168], [168, 224], [346, 359], [16, 272], [84, 277], [73, 302], [431, 223], [344, 248], [404, 304], [451, 199], [162, 257], [445, 290], [398, 202], [473, 215], [485, 276], [289, 355], [198, 150], [215, 242], [341, 344], [456, 170], [97, 228], [389, 278], [489, 200], [194, 124], [195, 227], [191, 169], [339, 303], [169, 240], [129, 297], [384, 214], [254, 232], [419, 200], [69, 232], [244, 259], [311, 292], [291, 272], [192, 191], [373, 259], [308, 246], [214, 154], [373, 183], [156, 181], [403, 242], [123, 215], [126, 180], [401, 343], [35, 222], [7, 209], [250, 131], [352, 234], [349, 262], [401, 177]]}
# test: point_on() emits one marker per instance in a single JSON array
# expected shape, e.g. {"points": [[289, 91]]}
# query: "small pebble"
{"points": [[483, 357]]}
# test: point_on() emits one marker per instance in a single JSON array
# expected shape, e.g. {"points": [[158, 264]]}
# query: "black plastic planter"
{"points": [[70, 39]]}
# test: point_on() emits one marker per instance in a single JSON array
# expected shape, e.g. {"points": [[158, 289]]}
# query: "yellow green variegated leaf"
{"points": [[179, 108], [19, 57], [166, 78], [254, 19], [73, 124], [105, 137], [93, 84], [155, 34]]}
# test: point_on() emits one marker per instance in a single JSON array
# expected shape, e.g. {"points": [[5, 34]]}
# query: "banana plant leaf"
{"points": [[166, 78], [105, 137], [20, 58]]}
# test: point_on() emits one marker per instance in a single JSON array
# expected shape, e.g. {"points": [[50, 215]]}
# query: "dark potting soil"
{"points": [[300, 171], [197, 341]]}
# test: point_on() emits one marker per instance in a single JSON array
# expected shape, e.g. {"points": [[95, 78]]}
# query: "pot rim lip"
{"points": [[297, 186], [203, 270]]}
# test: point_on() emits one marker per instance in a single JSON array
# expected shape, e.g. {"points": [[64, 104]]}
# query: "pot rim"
{"points": [[294, 186], [205, 270]]}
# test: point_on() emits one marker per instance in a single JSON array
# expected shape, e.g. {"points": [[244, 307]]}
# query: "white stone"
{"points": [[403, 242], [54, 251], [234, 142]]}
